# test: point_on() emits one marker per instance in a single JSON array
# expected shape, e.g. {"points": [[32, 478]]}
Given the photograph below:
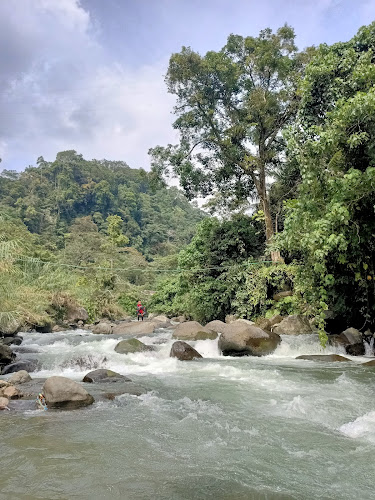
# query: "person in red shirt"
{"points": [[140, 310]]}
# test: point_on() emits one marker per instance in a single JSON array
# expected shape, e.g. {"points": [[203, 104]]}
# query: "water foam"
{"points": [[361, 427]]}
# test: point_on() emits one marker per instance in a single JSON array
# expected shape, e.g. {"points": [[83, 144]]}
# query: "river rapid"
{"points": [[216, 428]]}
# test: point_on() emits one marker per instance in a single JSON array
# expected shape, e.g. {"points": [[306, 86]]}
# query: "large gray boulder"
{"points": [[16, 340], [132, 345], [216, 326], [192, 330], [102, 328], [103, 375], [75, 314], [20, 377], [61, 392], [323, 357], [135, 328], [293, 325], [247, 340], [183, 351]]}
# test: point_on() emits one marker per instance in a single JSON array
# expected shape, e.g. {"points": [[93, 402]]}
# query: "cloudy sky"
{"points": [[88, 74]]}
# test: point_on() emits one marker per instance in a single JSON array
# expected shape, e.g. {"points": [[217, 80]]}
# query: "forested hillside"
{"points": [[49, 197], [84, 233]]}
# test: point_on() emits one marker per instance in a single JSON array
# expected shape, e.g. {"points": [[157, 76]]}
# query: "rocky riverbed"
{"points": [[212, 427]]}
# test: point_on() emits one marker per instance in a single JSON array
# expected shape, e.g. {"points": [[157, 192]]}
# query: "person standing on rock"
{"points": [[140, 310]]}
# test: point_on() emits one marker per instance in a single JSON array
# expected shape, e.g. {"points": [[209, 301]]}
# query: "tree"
{"points": [[232, 106], [114, 231], [331, 225]]}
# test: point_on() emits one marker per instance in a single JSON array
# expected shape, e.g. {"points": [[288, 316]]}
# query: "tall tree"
{"points": [[231, 108]]}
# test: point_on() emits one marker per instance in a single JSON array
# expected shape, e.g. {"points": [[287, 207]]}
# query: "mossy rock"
{"points": [[129, 346]]}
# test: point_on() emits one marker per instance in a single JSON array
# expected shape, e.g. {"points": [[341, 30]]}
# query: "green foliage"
{"points": [[331, 225], [114, 231]]}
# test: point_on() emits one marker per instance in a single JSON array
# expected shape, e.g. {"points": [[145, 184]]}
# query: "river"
{"points": [[216, 428]]}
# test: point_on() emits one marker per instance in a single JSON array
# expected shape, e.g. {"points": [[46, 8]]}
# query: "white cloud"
{"points": [[61, 90]]}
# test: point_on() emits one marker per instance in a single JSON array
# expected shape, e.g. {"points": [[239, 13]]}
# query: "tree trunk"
{"points": [[275, 255]]}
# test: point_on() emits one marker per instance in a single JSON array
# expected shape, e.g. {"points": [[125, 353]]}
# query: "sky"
{"points": [[89, 74]]}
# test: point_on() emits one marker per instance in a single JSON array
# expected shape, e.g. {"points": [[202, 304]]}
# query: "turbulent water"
{"points": [[216, 428]]}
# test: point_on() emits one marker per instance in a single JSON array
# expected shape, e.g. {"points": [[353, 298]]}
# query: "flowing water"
{"points": [[215, 428]]}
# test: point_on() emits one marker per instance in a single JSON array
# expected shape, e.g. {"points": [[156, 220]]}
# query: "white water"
{"points": [[220, 428]]}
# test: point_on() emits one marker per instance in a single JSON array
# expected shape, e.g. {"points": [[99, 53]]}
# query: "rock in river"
{"points": [[132, 345], [183, 351], [134, 328], [6, 355], [27, 365], [103, 327], [103, 375], [293, 325], [4, 403], [323, 357], [61, 392], [20, 377], [247, 340], [192, 330]]}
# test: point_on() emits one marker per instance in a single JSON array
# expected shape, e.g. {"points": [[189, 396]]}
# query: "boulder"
{"points": [[192, 330], [17, 340], [183, 351], [4, 383], [161, 324], [75, 314], [351, 340], [216, 326], [247, 340], [134, 328], [293, 325], [132, 345], [103, 327], [276, 319], [161, 317], [20, 377], [179, 319], [282, 295], [323, 357], [103, 375], [230, 318], [263, 324], [6, 355], [46, 327], [28, 365], [4, 403], [61, 392], [243, 320], [11, 392]]}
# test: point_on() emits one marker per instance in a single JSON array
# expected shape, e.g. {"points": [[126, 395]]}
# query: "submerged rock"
{"points": [[192, 330], [26, 364], [247, 340], [132, 345], [135, 328], [62, 392], [323, 357], [293, 325], [369, 363], [183, 351], [103, 375], [20, 377]]}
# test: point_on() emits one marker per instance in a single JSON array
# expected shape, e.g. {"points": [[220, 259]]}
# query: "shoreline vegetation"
{"points": [[82, 241]]}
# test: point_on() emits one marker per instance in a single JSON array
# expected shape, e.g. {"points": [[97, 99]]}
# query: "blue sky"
{"points": [[88, 75]]}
